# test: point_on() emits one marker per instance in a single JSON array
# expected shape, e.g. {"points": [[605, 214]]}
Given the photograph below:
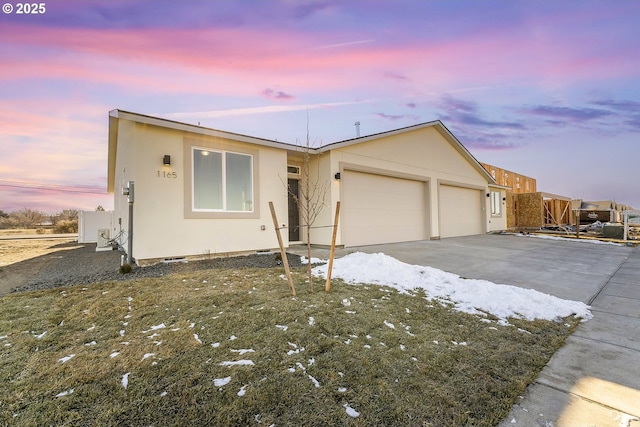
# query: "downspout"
{"points": [[129, 193]]}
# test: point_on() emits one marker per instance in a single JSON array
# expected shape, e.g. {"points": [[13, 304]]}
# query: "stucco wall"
{"points": [[422, 154], [160, 227]]}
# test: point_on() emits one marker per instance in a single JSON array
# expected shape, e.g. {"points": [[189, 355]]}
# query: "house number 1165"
{"points": [[165, 174]]}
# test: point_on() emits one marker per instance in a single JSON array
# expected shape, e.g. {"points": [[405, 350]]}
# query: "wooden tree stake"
{"points": [[327, 286], [285, 261]]}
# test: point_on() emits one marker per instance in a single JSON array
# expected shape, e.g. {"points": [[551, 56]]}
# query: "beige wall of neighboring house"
{"points": [[409, 184]]}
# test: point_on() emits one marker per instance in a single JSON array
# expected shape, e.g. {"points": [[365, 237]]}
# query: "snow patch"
{"points": [[305, 260], [350, 411], [66, 358], [125, 380], [219, 382], [467, 295], [65, 393], [155, 328], [314, 381], [243, 391]]}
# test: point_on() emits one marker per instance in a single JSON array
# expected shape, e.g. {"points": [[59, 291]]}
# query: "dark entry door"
{"points": [[294, 213]]}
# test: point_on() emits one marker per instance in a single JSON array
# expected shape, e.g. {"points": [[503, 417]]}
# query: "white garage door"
{"points": [[381, 209], [460, 211]]}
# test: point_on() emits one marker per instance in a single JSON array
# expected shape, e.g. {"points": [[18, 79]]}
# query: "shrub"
{"points": [[66, 226], [40, 230]]}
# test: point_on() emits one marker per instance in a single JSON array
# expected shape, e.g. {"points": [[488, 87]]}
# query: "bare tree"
{"points": [[310, 198], [68, 215], [28, 218]]}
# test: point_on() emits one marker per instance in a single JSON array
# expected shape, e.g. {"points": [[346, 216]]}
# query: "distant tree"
{"points": [[65, 215], [7, 220], [28, 218], [99, 208], [70, 214]]}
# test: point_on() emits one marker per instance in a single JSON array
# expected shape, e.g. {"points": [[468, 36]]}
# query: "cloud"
{"points": [[466, 113], [634, 122], [488, 140], [475, 120], [568, 113], [476, 131], [626, 105], [304, 9], [337, 45], [394, 117], [254, 110], [394, 76], [411, 104], [449, 103], [272, 94]]}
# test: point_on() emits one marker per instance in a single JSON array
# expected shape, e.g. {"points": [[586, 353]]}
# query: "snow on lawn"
{"points": [[468, 295], [305, 260]]}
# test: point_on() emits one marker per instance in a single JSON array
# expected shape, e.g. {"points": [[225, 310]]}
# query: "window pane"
{"points": [[239, 182], [495, 203], [207, 180]]}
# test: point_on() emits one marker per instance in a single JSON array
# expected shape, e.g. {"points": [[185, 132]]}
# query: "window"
{"points": [[293, 170], [496, 203], [222, 181]]}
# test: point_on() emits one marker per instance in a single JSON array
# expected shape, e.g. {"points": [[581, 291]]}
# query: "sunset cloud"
{"points": [[276, 94], [525, 76]]}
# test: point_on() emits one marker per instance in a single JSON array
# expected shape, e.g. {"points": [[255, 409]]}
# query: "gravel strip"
{"points": [[83, 265]]}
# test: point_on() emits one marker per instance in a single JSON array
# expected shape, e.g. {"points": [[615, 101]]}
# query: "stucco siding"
{"points": [[421, 155], [161, 229]]}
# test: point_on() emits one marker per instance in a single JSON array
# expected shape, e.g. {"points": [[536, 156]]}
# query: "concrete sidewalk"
{"points": [[594, 379]]}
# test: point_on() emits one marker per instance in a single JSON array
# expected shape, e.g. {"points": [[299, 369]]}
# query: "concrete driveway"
{"points": [[594, 379]]}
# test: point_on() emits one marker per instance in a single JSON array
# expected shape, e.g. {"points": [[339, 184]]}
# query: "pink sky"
{"points": [[547, 89]]}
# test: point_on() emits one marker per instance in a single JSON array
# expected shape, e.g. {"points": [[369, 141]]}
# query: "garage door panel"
{"points": [[381, 209], [460, 211]]}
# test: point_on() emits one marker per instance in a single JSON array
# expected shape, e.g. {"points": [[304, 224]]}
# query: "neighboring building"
{"points": [[517, 183], [603, 211], [201, 191], [537, 210], [527, 207]]}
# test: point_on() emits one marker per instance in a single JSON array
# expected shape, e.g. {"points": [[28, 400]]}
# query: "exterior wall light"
{"points": [[337, 175], [166, 160], [488, 195]]}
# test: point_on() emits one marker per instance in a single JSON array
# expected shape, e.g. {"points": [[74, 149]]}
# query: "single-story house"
{"points": [[201, 192]]}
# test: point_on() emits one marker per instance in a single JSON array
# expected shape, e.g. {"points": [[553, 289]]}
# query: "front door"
{"points": [[294, 212]]}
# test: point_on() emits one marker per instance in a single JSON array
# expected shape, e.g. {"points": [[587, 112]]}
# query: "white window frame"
{"points": [[224, 180], [496, 203]]}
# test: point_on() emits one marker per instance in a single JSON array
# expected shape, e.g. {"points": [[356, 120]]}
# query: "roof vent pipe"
{"points": [[357, 129]]}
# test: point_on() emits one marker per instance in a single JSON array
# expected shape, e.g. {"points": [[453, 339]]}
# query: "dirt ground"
{"points": [[14, 254]]}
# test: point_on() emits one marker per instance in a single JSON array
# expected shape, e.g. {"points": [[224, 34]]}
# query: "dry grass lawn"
{"points": [[232, 347]]}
